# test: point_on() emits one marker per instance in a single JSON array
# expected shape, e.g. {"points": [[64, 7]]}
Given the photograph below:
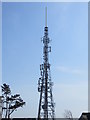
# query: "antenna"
{"points": [[46, 17], [46, 107]]}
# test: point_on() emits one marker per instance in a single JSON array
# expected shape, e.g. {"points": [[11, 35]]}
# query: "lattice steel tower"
{"points": [[46, 104]]}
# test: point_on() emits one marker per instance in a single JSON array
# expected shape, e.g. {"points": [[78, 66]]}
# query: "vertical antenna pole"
{"points": [[46, 17]]}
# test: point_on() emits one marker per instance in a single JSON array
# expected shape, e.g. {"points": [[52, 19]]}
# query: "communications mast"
{"points": [[46, 103]]}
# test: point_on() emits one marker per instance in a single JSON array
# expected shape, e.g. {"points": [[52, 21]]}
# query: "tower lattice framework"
{"points": [[46, 103]]}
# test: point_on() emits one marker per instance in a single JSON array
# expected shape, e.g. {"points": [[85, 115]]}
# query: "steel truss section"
{"points": [[46, 104]]}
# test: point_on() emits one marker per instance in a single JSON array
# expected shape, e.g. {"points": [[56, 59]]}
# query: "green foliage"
{"points": [[6, 89], [10, 102]]}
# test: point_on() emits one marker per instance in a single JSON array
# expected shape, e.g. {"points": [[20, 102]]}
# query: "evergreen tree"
{"points": [[10, 102]]}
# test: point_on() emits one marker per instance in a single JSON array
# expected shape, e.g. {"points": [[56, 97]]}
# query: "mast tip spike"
{"points": [[46, 17]]}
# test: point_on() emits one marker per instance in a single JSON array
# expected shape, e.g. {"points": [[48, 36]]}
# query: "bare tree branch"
{"points": [[68, 115]]}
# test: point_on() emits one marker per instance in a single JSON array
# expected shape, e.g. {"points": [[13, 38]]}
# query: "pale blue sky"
{"points": [[22, 29]]}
